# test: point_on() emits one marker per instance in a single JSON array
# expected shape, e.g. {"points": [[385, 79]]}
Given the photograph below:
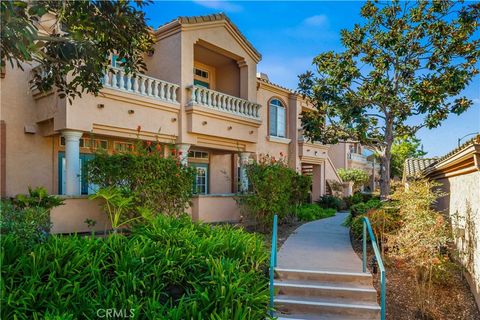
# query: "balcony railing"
{"points": [[223, 102], [118, 79], [357, 157]]}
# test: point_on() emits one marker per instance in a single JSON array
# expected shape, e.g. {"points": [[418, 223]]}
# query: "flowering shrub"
{"points": [[158, 183], [275, 189]]}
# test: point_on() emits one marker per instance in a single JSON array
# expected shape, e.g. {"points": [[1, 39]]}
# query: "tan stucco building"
{"points": [[458, 173], [200, 94]]}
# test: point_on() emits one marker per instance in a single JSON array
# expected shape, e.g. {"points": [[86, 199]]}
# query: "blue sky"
{"points": [[290, 34]]}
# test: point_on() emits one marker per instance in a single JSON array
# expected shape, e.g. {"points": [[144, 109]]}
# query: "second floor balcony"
{"points": [[223, 102], [357, 157]]}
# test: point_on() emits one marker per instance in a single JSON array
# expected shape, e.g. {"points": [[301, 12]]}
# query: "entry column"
{"points": [[72, 162], [244, 156]]}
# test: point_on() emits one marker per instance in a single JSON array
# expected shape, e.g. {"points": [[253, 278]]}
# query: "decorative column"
{"points": [[244, 156], [72, 162], [182, 149]]}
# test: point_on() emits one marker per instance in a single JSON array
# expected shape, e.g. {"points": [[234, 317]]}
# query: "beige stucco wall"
{"points": [[463, 206], [29, 156], [338, 154], [215, 208], [70, 217], [220, 173]]}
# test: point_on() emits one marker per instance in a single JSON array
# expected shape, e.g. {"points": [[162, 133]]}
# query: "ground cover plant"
{"points": [[310, 212], [169, 268]]}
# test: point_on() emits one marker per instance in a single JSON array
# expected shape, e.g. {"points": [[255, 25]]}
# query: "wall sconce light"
{"points": [[174, 119], [230, 128], [316, 152], [100, 106], [204, 123], [251, 132], [131, 111], [308, 150]]}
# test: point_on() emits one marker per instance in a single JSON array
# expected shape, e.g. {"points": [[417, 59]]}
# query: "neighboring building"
{"points": [[459, 175], [201, 94], [354, 155]]}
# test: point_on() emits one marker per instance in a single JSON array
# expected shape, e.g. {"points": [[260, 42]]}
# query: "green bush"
{"points": [[155, 182], [357, 176], [363, 207], [353, 199], [333, 202], [167, 269], [275, 189], [27, 217], [310, 212]]}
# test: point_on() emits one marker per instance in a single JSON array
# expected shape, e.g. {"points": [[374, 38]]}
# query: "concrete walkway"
{"points": [[322, 245]]}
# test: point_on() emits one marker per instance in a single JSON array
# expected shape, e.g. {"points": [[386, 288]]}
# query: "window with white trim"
{"points": [[277, 119]]}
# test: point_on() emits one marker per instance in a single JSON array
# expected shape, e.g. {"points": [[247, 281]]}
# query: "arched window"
{"points": [[277, 118]]}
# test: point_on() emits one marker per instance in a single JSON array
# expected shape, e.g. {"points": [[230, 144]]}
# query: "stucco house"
{"points": [[201, 94], [354, 155], [458, 172]]}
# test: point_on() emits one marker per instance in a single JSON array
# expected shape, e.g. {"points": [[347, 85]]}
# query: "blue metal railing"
{"points": [[273, 263], [367, 226]]}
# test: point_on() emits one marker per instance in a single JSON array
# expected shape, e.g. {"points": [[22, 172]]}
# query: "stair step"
{"points": [[326, 290], [323, 316], [331, 306], [358, 278]]}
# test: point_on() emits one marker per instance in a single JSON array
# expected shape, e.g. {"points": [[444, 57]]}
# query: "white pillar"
{"points": [[244, 156], [72, 162], [182, 149]]}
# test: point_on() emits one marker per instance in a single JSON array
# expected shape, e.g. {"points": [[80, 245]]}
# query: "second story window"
{"points": [[201, 78], [277, 118]]}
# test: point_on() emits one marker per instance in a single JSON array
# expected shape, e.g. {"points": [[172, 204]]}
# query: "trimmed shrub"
{"points": [[167, 269], [353, 199], [310, 212], [159, 183], [27, 217], [275, 189], [333, 202], [363, 207]]}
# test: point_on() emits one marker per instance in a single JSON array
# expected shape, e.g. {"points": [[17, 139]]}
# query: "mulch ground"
{"points": [[448, 302]]}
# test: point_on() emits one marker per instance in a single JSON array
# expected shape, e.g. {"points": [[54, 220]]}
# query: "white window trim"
{"points": [[279, 139]]}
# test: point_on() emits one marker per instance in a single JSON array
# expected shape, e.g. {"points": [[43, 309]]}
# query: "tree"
{"points": [[407, 61], [75, 38], [402, 149], [357, 176]]}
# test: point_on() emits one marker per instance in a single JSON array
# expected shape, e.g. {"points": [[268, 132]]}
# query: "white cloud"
{"points": [[283, 73], [313, 27], [226, 6], [319, 20]]}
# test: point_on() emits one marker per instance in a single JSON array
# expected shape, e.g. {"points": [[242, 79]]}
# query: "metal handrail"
{"points": [[367, 226], [273, 262]]}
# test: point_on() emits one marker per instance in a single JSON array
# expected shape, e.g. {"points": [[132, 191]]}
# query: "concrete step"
{"points": [[339, 278], [326, 290], [324, 316], [327, 306]]}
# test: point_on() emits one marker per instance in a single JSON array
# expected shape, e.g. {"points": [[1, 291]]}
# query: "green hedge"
{"points": [[168, 269], [310, 212], [363, 207]]}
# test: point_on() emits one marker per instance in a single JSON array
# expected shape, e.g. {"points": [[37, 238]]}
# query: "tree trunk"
{"points": [[385, 160], [384, 177]]}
